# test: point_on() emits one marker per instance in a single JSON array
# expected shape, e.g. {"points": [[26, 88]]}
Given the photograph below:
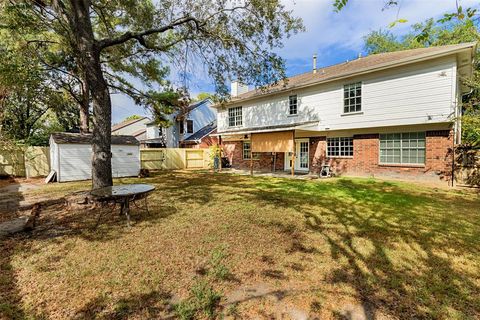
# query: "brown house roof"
{"points": [[139, 132], [369, 63], [78, 138], [125, 123]]}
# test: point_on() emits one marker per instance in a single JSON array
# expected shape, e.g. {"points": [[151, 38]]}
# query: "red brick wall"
{"points": [[206, 143], [365, 161], [233, 150]]}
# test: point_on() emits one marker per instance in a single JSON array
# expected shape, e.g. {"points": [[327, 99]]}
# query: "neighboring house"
{"points": [[393, 114], [191, 128], [133, 127]]}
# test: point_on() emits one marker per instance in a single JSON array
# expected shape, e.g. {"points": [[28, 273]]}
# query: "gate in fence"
{"points": [[174, 158]]}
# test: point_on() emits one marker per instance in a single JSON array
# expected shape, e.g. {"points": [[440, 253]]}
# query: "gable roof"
{"points": [[203, 132], [126, 123], [197, 104], [371, 63], [139, 132], [187, 110], [78, 138]]}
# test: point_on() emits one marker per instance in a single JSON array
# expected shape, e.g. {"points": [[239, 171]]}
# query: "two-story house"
{"points": [[191, 128], [393, 114]]}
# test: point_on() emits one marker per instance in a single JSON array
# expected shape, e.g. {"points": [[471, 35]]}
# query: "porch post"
{"points": [[251, 156], [219, 145], [293, 153]]}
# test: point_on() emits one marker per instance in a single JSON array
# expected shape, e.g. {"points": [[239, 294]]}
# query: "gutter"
{"points": [[260, 130]]}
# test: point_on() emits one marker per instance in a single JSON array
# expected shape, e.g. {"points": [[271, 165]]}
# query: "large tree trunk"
{"points": [[88, 54], [84, 107]]}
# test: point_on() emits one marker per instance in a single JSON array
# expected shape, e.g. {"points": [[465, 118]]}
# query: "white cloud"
{"points": [[346, 29], [329, 34]]}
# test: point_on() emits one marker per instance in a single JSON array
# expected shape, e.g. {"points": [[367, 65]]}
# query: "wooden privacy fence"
{"points": [[174, 158], [25, 162], [35, 161]]}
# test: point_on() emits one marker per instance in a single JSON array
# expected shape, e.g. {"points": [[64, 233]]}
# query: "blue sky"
{"points": [[335, 37]]}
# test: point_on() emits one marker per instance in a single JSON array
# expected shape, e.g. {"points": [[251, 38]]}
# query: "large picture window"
{"points": [[293, 105], [340, 147], [247, 151], [352, 97], [402, 148], [235, 117]]}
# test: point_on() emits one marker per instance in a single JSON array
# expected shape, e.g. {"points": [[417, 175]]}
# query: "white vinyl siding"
{"points": [[402, 148], [340, 147], [417, 94]]}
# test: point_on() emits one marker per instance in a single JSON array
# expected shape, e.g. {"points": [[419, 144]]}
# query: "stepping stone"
{"points": [[13, 226]]}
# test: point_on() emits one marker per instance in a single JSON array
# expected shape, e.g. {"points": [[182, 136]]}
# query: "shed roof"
{"points": [[78, 138], [355, 67]]}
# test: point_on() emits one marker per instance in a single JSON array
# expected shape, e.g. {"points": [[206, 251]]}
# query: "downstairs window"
{"points": [[340, 147], [402, 148]]}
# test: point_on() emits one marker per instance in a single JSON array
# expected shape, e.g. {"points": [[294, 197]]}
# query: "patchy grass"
{"points": [[325, 248]]}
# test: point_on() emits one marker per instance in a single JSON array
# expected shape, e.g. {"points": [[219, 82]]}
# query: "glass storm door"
{"points": [[301, 158]]}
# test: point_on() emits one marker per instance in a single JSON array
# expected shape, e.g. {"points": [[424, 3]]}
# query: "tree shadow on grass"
{"points": [[413, 238], [151, 305], [55, 224]]}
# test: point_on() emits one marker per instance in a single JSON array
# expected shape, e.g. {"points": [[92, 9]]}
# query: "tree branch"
{"points": [[139, 36]]}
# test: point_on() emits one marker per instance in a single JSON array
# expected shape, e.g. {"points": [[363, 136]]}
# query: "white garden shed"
{"points": [[71, 156]]}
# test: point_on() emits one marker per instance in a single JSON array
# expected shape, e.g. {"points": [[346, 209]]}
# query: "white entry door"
{"points": [[301, 158]]}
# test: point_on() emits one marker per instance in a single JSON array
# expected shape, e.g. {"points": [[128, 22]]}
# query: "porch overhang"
{"points": [[280, 141], [307, 125]]}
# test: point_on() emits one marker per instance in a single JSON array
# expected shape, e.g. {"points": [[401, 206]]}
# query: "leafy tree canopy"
{"points": [[32, 105], [203, 95], [436, 33]]}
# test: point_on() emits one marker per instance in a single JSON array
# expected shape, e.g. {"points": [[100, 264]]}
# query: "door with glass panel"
{"points": [[301, 157]]}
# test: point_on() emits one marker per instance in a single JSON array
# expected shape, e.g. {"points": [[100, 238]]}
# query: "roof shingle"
{"points": [[351, 68]]}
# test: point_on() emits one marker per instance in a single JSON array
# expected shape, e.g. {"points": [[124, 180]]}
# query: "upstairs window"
{"points": [[352, 97], [189, 126], [181, 126], [340, 147], [235, 117], [402, 148], [292, 105]]}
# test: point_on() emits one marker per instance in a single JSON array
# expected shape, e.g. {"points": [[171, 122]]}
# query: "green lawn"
{"points": [[323, 248]]}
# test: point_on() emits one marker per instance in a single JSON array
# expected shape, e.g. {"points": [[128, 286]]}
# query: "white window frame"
{"points": [[256, 155], [236, 115], [343, 148], [403, 145], [292, 105], [357, 99]]}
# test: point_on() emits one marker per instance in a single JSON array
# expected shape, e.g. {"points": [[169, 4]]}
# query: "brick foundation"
{"points": [[365, 160]]}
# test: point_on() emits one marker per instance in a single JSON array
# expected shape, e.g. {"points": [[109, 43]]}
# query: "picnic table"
{"points": [[124, 194]]}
